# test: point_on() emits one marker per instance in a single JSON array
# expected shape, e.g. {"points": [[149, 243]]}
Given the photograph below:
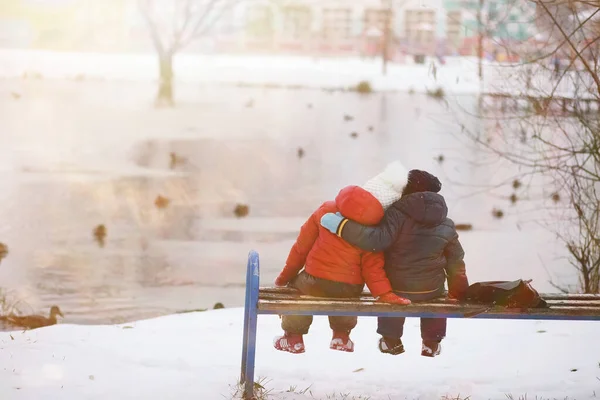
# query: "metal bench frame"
{"points": [[286, 301]]}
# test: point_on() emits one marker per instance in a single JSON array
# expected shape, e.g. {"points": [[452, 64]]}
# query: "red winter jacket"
{"points": [[325, 255]]}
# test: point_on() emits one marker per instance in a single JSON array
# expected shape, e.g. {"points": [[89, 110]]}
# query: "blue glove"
{"points": [[331, 221]]}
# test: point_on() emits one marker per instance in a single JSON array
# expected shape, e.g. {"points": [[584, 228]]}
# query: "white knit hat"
{"points": [[387, 186]]}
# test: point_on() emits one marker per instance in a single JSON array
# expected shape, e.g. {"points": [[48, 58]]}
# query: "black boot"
{"points": [[391, 346], [431, 348]]}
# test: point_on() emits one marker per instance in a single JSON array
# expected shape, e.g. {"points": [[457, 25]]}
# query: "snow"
{"points": [[197, 355], [458, 76]]}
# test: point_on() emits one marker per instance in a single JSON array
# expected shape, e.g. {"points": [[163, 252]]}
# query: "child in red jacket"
{"points": [[334, 268]]}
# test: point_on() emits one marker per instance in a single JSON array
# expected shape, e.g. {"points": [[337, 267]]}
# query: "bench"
{"points": [[287, 301]]}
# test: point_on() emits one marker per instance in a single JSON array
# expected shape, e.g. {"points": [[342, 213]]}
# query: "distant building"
{"points": [[337, 26], [334, 26], [325, 27], [504, 23]]}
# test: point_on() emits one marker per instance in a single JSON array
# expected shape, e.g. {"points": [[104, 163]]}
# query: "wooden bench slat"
{"points": [[574, 303], [441, 300], [358, 305], [351, 304], [289, 307], [545, 296]]}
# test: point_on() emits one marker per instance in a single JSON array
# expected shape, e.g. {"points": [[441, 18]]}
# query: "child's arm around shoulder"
{"points": [[309, 232], [373, 238]]}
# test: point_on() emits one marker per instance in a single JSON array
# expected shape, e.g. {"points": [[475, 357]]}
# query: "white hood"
{"points": [[387, 186]]}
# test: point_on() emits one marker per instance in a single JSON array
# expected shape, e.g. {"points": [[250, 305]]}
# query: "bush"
{"points": [[437, 93], [10, 304], [364, 87]]}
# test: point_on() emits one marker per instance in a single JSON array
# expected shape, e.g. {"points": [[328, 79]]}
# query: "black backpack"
{"points": [[512, 294]]}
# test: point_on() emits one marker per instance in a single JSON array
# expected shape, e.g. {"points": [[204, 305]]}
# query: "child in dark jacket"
{"points": [[333, 267], [421, 250]]}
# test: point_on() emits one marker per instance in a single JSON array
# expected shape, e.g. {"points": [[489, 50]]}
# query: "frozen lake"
{"points": [[77, 154]]}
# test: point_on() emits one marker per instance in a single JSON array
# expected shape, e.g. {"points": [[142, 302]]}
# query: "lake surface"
{"points": [[74, 155]]}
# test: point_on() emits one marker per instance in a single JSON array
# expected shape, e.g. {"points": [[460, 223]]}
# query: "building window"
{"points": [[454, 28], [420, 26], [296, 22], [336, 23], [375, 19]]}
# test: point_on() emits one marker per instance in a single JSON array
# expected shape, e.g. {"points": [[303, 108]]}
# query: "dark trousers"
{"points": [[312, 286], [432, 329]]}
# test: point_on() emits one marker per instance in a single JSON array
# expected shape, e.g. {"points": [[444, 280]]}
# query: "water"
{"points": [[77, 154]]}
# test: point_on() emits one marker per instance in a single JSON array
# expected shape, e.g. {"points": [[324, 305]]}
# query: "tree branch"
{"points": [[193, 33], [178, 32], [145, 7], [573, 47]]}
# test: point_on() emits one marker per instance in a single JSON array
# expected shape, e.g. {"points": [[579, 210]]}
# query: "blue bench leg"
{"points": [[250, 323]]}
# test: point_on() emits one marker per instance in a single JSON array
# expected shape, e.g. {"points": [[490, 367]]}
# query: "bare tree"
{"points": [[557, 135], [173, 25], [584, 246]]}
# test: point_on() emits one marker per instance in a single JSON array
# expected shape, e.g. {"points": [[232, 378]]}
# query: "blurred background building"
{"points": [[326, 27]]}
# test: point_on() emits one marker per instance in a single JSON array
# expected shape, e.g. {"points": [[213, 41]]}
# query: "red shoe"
{"points": [[290, 342], [341, 341], [431, 348]]}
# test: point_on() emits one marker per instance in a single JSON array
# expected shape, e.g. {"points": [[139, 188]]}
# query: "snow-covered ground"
{"points": [[459, 75], [197, 356]]}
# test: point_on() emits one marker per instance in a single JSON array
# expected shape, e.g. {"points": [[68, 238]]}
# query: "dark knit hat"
{"points": [[421, 181]]}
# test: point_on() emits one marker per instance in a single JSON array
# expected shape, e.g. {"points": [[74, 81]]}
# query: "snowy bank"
{"points": [[459, 75], [197, 356]]}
